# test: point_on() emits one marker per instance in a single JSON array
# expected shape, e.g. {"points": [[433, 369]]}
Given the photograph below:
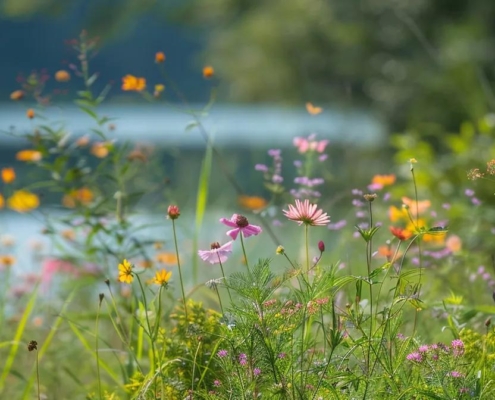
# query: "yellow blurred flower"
{"points": [[397, 214], [437, 238], [8, 175], [30, 113], [133, 83], [2, 201], [313, 110], [125, 272], [101, 149], [383, 180], [159, 88], [23, 201], [159, 57], [7, 260], [166, 258], [208, 72], [82, 196], [162, 277], [252, 202], [62, 76], [17, 95], [28, 155]]}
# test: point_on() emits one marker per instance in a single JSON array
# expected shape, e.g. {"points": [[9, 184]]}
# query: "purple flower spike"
{"points": [[217, 254], [240, 224]]}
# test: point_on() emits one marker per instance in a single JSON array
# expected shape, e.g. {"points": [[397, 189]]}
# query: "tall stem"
{"points": [[180, 272]]}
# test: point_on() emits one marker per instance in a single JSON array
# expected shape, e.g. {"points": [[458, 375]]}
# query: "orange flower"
{"points": [[313, 110], [82, 196], [454, 243], [62, 76], [385, 251], [421, 206], [68, 234], [383, 180], [208, 72], [6, 260], [8, 175], [252, 202], [82, 141], [159, 57], [101, 149], [23, 201], [133, 83], [166, 258], [145, 263], [30, 113], [2, 201], [17, 95], [399, 233], [28, 155]]}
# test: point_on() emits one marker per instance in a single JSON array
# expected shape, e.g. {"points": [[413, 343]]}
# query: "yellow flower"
{"points": [[395, 214], [162, 277], [23, 201], [133, 83], [159, 88], [28, 155], [166, 258], [125, 272], [208, 72], [62, 76], [8, 175], [75, 197], [159, 57], [313, 110], [252, 202], [2, 201]]}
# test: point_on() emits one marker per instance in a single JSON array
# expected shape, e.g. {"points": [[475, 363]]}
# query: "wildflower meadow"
{"points": [[321, 274]]}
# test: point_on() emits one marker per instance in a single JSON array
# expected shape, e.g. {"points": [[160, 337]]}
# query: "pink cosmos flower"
{"points": [[307, 213], [217, 254], [240, 224]]}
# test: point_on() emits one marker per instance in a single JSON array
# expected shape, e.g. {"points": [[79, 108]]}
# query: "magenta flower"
{"points": [[217, 254], [240, 224], [307, 213]]}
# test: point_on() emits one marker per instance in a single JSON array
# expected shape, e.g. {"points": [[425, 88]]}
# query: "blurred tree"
{"points": [[422, 63]]}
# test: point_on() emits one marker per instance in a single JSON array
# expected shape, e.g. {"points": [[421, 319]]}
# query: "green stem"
{"points": [[97, 351], [180, 272], [306, 235], [224, 279]]}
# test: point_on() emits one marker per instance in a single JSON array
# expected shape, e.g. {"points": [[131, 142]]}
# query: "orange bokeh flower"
{"points": [[23, 201], [420, 206], [101, 149], [208, 72], [399, 233], [62, 76], [252, 202], [17, 95], [166, 258], [383, 180], [82, 196], [82, 141], [30, 113], [313, 110], [28, 155], [7, 260], [159, 57], [2, 201], [133, 83], [8, 175], [454, 243]]}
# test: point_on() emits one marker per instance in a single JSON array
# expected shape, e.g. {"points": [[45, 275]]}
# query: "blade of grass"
{"points": [[17, 338]]}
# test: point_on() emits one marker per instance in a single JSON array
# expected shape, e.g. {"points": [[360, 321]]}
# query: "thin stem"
{"points": [[97, 351], [152, 342], [306, 234], [224, 279], [219, 299], [38, 373], [180, 272], [244, 251]]}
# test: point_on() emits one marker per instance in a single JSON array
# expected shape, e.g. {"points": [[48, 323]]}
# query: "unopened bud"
{"points": [[173, 212], [321, 246]]}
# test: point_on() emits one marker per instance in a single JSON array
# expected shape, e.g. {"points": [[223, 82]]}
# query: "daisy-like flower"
{"points": [[217, 254], [125, 272], [240, 224], [162, 277], [307, 213]]}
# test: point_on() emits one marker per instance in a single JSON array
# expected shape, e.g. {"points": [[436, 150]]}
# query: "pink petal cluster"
{"points": [[305, 144], [307, 213], [240, 224], [217, 254]]}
